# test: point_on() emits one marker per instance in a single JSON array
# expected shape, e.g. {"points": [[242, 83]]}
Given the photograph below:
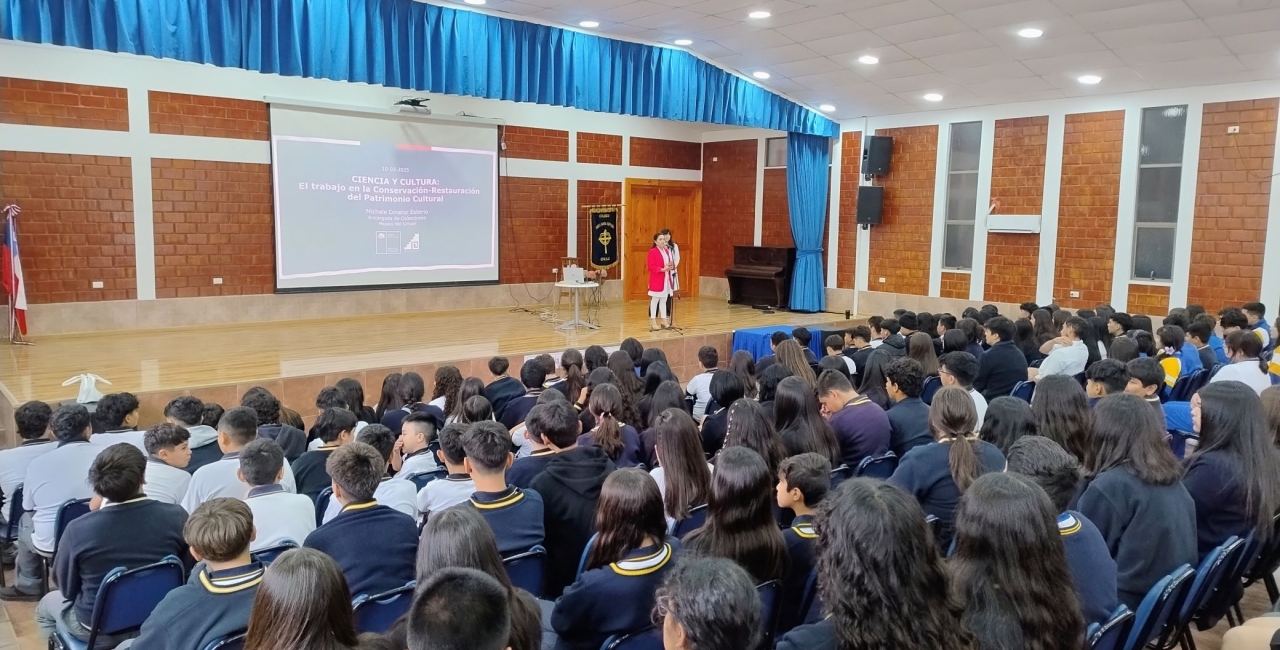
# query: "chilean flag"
{"points": [[11, 270]]}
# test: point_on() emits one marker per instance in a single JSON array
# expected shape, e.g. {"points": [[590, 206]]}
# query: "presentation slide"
{"points": [[366, 200]]}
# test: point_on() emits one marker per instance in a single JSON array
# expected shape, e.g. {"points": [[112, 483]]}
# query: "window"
{"points": [[962, 195], [1164, 130], [775, 152]]}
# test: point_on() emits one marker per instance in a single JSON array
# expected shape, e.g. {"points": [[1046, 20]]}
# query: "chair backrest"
{"points": [[1080, 377], [269, 554], [1156, 606], [1023, 390], [232, 642], [1187, 385], [67, 513], [770, 607], [809, 594], [1109, 635], [931, 386], [127, 597], [840, 475], [421, 479], [1210, 576], [322, 504], [377, 613], [646, 639], [880, 467], [697, 517], [527, 570], [586, 550], [1269, 558], [14, 514]]}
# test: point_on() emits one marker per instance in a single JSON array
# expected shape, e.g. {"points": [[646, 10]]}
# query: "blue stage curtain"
{"points": [[808, 173], [412, 45]]}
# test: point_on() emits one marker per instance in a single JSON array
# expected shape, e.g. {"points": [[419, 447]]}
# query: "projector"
{"points": [[416, 105]]}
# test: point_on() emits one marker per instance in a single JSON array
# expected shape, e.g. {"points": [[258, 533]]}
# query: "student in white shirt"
{"points": [[188, 412], [960, 369], [278, 515], [412, 453], [455, 488], [32, 420], [57, 476], [116, 416], [1244, 349], [699, 387], [1071, 354], [395, 493], [835, 348], [238, 427], [167, 454]]}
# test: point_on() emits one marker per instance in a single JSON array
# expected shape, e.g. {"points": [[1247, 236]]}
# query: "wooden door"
{"points": [[652, 205]]}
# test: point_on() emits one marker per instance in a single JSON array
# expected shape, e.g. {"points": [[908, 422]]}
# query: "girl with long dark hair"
{"points": [[634, 350], [1010, 568], [595, 356], [1099, 326], [303, 602], [740, 524], [1136, 498], [751, 427], [920, 348], [444, 394], [1062, 413], [744, 366], [476, 409], [1123, 349], [881, 580], [1007, 420], [575, 378], [790, 354], [725, 389], [668, 396], [871, 383], [1271, 411], [1042, 327], [389, 397], [626, 380], [649, 356], [654, 376], [625, 565], [471, 387], [768, 385], [683, 476], [353, 393], [954, 340], [619, 440], [799, 421], [1025, 339]]}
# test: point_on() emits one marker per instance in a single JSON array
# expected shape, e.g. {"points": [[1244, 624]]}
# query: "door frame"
{"points": [[693, 241]]}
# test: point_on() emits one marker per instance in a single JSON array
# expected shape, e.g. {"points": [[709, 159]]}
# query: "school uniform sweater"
{"points": [[1190, 357], [375, 546], [860, 357], [908, 425], [925, 472], [1208, 358], [1219, 348], [1150, 529], [570, 488], [310, 474], [1092, 570], [800, 539], [212, 605], [815, 636], [518, 408], [613, 599], [630, 455], [862, 429], [204, 447], [501, 392], [1215, 481], [515, 516], [394, 419], [293, 441], [523, 470], [714, 428]]}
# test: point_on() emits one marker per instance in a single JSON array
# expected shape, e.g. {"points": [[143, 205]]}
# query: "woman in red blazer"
{"points": [[661, 264]]}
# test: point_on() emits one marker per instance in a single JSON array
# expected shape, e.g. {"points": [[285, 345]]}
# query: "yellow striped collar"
{"points": [[1068, 524], [358, 506], [805, 531], [645, 565], [515, 497], [224, 584]]}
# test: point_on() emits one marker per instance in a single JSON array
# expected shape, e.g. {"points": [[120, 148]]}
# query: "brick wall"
{"points": [[536, 144], [1233, 191], [1089, 200], [728, 202], [955, 285], [667, 154], [599, 148], [847, 238], [52, 103], [1017, 182], [1148, 299], [593, 193], [212, 117], [212, 220], [76, 225], [775, 216], [532, 230], [900, 244]]}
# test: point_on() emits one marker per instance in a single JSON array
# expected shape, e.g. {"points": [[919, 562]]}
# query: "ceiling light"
{"points": [[588, 24], [1031, 32], [760, 74], [1089, 79], [826, 108], [474, 2], [683, 41], [868, 59], [759, 14], [933, 97]]}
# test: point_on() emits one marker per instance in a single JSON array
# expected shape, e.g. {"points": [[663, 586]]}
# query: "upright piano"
{"points": [[761, 275]]}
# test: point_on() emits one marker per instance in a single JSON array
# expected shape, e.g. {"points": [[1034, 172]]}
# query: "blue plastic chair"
{"points": [[11, 523], [421, 479], [125, 599], [322, 504], [931, 385], [1187, 385], [233, 642], [840, 475], [1023, 390], [646, 639], [770, 608], [269, 554], [377, 613], [68, 512], [1268, 562], [881, 467], [586, 550], [1109, 635], [1208, 578], [1157, 605], [527, 570], [697, 517], [809, 598]]}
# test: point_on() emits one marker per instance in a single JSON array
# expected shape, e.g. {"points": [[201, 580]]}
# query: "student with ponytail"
{"points": [[618, 440], [575, 378]]}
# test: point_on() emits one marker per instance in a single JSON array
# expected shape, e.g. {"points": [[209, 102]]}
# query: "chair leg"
{"points": [[1231, 622], [1239, 614], [1273, 591], [1188, 642], [44, 575]]}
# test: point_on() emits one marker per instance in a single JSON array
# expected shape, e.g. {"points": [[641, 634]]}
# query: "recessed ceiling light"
{"points": [[474, 2], [933, 97], [1031, 32], [826, 108], [1089, 79], [588, 24], [683, 41], [868, 59], [759, 14], [760, 74]]}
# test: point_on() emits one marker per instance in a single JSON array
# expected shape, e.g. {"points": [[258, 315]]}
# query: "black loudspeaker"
{"points": [[870, 202], [876, 155]]}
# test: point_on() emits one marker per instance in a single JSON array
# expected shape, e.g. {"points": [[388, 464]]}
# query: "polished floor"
{"points": [[183, 358]]}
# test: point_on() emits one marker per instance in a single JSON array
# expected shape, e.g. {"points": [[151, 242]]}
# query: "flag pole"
{"points": [[15, 337]]}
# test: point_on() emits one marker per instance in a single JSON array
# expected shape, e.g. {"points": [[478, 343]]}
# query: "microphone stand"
{"points": [[671, 300]]}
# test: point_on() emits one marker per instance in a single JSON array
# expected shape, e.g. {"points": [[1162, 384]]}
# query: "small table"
{"points": [[576, 288]]}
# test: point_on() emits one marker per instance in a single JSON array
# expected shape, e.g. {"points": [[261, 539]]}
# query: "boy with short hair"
{"points": [[375, 546], [217, 602], [515, 515], [699, 387], [116, 420], [270, 426], [1232, 319], [767, 360], [1216, 343], [168, 453], [860, 425], [396, 493], [960, 369], [1199, 333], [188, 412], [803, 482], [1003, 365], [877, 334], [894, 343], [1256, 314], [503, 388], [460, 609], [237, 428], [32, 420], [804, 337], [543, 423], [1106, 377], [1026, 308], [858, 347], [335, 427], [835, 348], [417, 431], [279, 515], [909, 415], [457, 486], [1146, 378], [532, 375]]}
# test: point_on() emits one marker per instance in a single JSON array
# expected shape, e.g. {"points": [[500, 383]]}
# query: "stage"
{"points": [[295, 359]]}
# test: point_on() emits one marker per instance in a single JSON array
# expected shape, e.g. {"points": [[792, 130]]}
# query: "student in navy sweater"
{"points": [[1009, 567], [798, 416], [861, 427], [292, 440], [909, 415], [130, 532], [803, 482], [536, 424], [532, 375], [740, 524], [217, 601], [709, 603], [619, 440], [373, 544], [503, 388], [515, 515], [1234, 477], [459, 608], [626, 563], [335, 427], [726, 388], [1002, 366], [1136, 498], [1061, 409], [1092, 570], [684, 477]]}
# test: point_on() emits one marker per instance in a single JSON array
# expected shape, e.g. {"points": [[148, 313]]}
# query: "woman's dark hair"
{"points": [[1232, 421], [624, 374], [471, 387], [303, 602], [790, 354], [920, 348], [744, 366], [1084, 331], [1146, 342], [799, 421], [1043, 327], [740, 524], [1007, 419], [1143, 323], [629, 510], [928, 324], [749, 426], [595, 356], [878, 567], [460, 537], [389, 398], [769, 379], [575, 378], [1123, 349], [605, 404], [353, 395], [657, 373], [1271, 410], [954, 340], [412, 389], [1024, 337], [669, 395], [1062, 413], [476, 409], [713, 601], [1129, 435], [684, 467], [633, 349], [872, 380], [1010, 568], [1247, 343], [448, 381], [725, 388], [971, 328], [953, 419], [1099, 326], [649, 356]]}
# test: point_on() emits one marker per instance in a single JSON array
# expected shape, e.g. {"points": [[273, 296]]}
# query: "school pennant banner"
{"points": [[604, 238]]}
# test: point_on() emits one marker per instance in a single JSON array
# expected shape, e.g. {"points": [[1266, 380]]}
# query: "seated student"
{"points": [[410, 392], [537, 423], [188, 413], [1093, 571], [804, 337], [374, 545], [960, 369], [169, 454], [1256, 314], [457, 486], [1246, 365], [620, 441], [53, 478], [1146, 378], [709, 603], [835, 349], [894, 343], [132, 531], [1071, 354], [740, 522], [335, 427], [767, 360], [803, 482], [626, 564], [1003, 365], [116, 420], [1232, 319], [1199, 333], [909, 415], [532, 375], [503, 388], [858, 347], [1216, 342], [515, 515], [398, 494], [32, 421], [237, 428], [861, 427], [279, 516], [282, 620], [417, 432], [1106, 377], [878, 334], [699, 388], [271, 425], [1169, 353], [726, 388], [459, 609], [217, 602]]}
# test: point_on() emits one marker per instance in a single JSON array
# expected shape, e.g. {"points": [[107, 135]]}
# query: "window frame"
{"points": [[970, 220], [1138, 223]]}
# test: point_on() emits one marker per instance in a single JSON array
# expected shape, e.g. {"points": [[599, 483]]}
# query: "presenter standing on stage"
{"points": [[662, 261]]}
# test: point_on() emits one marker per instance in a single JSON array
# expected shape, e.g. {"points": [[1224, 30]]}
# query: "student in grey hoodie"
{"points": [[187, 412]]}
